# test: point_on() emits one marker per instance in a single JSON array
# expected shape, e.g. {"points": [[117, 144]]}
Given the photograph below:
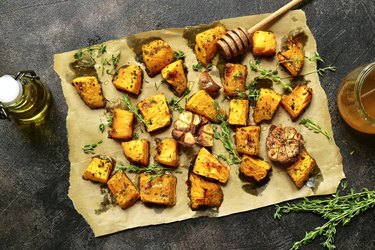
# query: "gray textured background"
{"points": [[35, 211]]}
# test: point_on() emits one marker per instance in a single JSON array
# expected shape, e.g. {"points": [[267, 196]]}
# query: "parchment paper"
{"points": [[82, 126]]}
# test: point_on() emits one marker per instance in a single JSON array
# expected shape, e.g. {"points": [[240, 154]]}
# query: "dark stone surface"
{"points": [[35, 211]]}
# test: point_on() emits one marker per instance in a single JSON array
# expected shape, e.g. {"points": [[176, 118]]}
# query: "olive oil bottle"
{"points": [[24, 97]]}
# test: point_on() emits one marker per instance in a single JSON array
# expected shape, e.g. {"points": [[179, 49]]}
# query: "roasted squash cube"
{"points": [[155, 112], [234, 79], [297, 102], [267, 103], [174, 74], [137, 151], [204, 193], [247, 140], [125, 193], [293, 58], [264, 43], [254, 168], [129, 78], [99, 169], [301, 169], [207, 165], [206, 44], [156, 55], [90, 91], [156, 189], [167, 152], [238, 112], [202, 104], [122, 124]]}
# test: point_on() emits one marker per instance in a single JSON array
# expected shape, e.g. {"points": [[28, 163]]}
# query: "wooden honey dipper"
{"points": [[235, 42]]}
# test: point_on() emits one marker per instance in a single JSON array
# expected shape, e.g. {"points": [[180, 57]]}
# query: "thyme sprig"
{"points": [[269, 74], [156, 169], [179, 55], [337, 210], [224, 136], [90, 148], [174, 104], [311, 125], [315, 58], [86, 56], [134, 110]]}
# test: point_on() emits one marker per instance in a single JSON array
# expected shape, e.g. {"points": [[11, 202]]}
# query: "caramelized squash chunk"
{"points": [[122, 124], [234, 79], [125, 193], [90, 90], [204, 193], [297, 102], [174, 74], [293, 58], [159, 190], [301, 169], [137, 151], [264, 43], [155, 112], [267, 103], [206, 44], [254, 168], [203, 104], [99, 169], [156, 55], [238, 112], [247, 140], [207, 165], [167, 152], [129, 79]]}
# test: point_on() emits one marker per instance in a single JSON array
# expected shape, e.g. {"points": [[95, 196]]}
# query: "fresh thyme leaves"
{"points": [[179, 55], [322, 71], [101, 126], [269, 74], [315, 58], [134, 110], [175, 105], [225, 137], [110, 120], [86, 56], [308, 123], [197, 67], [135, 136], [337, 210], [155, 169], [90, 148], [209, 66]]}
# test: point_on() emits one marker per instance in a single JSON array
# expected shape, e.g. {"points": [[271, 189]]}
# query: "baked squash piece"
{"points": [[254, 168], [90, 90], [99, 169], [238, 112], [125, 193], [204, 193], [174, 74], [122, 124], [234, 79], [301, 169], [297, 102], [129, 78], [267, 103], [264, 43], [206, 44], [137, 151], [156, 189], [167, 152], [155, 112], [247, 140], [203, 104], [156, 55], [207, 165], [294, 57]]}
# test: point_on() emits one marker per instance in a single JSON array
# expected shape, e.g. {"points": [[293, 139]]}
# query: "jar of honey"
{"points": [[24, 97], [356, 99]]}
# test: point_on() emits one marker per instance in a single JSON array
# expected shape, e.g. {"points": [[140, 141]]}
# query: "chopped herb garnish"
{"points": [[238, 75], [337, 210], [179, 55], [134, 110], [308, 123], [90, 148]]}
